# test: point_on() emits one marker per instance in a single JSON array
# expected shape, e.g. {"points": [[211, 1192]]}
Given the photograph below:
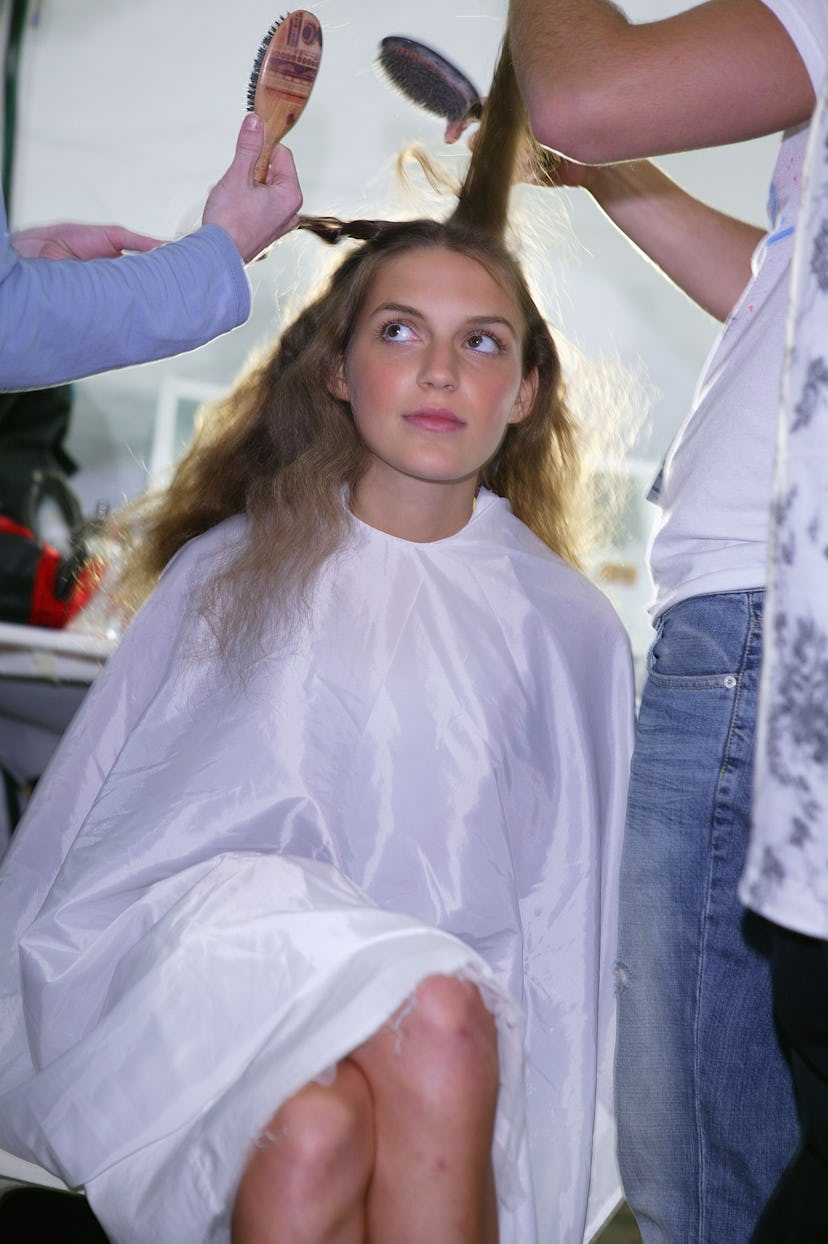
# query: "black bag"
{"points": [[38, 585]]}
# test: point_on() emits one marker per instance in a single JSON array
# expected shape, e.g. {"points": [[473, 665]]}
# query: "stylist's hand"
{"points": [[547, 168], [253, 214], [70, 241], [536, 165]]}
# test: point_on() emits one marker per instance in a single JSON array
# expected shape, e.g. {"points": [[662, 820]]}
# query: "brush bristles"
{"points": [[427, 78], [259, 61]]}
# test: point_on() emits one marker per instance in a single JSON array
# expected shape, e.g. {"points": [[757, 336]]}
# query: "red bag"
{"points": [[38, 585]]}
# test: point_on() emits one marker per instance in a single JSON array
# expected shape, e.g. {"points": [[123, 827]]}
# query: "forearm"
{"points": [[600, 89], [62, 319], [706, 253]]}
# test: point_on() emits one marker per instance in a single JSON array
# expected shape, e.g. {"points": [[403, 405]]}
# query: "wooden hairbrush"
{"points": [[284, 72], [429, 79]]}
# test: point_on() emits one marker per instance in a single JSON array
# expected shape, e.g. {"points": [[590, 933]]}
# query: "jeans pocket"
{"points": [[699, 644]]}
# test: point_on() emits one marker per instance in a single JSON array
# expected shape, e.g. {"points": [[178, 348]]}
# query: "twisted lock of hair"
{"points": [[483, 201], [332, 230]]}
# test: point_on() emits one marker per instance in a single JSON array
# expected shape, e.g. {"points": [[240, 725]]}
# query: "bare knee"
{"points": [[455, 1031], [320, 1125], [452, 1009], [320, 1139]]}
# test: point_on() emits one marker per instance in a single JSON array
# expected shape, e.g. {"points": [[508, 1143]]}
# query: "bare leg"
{"points": [[397, 1149], [307, 1178], [433, 1076]]}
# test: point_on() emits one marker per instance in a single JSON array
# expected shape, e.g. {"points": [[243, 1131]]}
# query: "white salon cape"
{"points": [[223, 884]]}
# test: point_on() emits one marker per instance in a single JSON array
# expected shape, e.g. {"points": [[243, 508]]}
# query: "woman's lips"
{"points": [[437, 420]]}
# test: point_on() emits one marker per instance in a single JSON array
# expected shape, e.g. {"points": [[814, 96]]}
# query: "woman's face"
{"points": [[433, 374]]}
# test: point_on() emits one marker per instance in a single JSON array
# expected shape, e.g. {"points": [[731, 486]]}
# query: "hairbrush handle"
{"points": [[283, 75]]}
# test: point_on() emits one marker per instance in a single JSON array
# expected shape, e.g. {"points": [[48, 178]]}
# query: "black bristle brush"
{"points": [[283, 74], [427, 78]]}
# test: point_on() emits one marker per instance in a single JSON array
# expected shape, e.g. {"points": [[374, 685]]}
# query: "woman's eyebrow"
{"points": [[401, 308], [493, 319]]}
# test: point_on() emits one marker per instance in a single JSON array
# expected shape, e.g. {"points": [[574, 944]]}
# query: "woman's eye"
{"points": [[484, 343], [395, 331]]}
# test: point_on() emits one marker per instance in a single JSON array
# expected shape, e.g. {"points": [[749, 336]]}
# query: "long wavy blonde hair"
{"points": [[283, 451]]}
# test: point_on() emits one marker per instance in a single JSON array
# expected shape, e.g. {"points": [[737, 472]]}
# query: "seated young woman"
{"points": [[313, 915]]}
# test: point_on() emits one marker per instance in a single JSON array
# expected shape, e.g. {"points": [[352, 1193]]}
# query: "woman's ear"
{"points": [[338, 383], [525, 399]]}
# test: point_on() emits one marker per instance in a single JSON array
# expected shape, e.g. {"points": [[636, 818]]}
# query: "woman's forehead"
{"points": [[428, 273]]}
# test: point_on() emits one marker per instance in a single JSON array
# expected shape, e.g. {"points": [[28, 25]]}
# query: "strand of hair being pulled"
{"points": [[483, 197]]}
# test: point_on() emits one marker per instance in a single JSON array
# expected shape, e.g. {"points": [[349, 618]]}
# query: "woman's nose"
{"points": [[439, 366]]}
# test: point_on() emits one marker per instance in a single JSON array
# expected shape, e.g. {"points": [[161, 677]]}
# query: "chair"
{"points": [[14, 1171]]}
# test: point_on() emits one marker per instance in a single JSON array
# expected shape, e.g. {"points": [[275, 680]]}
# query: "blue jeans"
{"points": [[705, 1104]]}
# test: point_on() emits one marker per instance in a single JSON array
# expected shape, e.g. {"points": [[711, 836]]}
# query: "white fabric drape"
{"points": [[224, 884]]}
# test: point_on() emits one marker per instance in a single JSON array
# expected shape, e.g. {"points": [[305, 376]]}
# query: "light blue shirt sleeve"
{"points": [[63, 319]]}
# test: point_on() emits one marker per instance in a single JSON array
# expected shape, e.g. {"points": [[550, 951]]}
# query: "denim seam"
{"points": [[723, 770], [691, 682]]}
